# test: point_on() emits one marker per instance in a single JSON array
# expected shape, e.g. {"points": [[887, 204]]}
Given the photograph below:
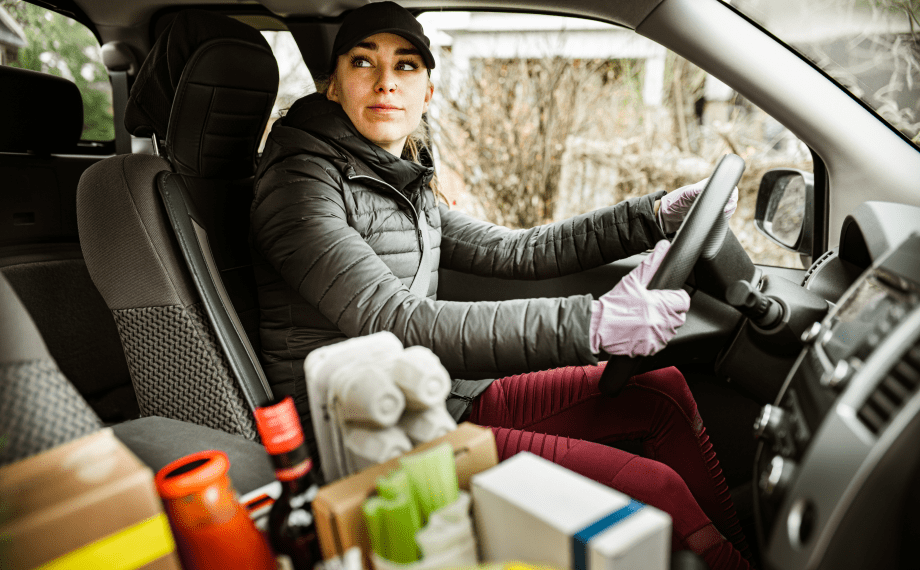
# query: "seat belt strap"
{"points": [[422, 277], [119, 104]]}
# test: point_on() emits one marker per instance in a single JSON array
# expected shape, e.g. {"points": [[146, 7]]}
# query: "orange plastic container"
{"points": [[211, 528]]}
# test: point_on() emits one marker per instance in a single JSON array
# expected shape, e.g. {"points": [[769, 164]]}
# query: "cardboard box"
{"points": [[337, 506], [84, 504], [533, 510]]}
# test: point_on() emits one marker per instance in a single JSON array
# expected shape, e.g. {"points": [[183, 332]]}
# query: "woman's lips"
{"points": [[383, 108]]}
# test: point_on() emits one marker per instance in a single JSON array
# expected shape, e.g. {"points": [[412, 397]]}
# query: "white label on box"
{"points": [[581, 538], [530, 509]]}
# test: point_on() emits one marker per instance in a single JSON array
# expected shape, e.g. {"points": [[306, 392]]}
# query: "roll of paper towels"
{"points": [[370, 446], [367, 394], [422, 378], [425, 425]]}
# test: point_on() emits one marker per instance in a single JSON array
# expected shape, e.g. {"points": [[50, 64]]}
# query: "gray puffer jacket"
{"points": [[335, 237]]}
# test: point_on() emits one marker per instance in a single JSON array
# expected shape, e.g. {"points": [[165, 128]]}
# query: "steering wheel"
{"points": [[700, 234]]}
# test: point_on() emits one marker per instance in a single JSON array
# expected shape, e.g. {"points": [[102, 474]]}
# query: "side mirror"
{"points": [[785, 210]]}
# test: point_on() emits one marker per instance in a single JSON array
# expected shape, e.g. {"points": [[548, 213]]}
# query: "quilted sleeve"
{"points": [[552, 250], [299, 224]]}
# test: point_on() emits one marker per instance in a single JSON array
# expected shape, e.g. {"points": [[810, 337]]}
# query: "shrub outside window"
{"points": [[538, 118]]}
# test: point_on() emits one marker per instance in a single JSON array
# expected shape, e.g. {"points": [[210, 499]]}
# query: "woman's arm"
{"points": [[299, 224], [552, 250]]}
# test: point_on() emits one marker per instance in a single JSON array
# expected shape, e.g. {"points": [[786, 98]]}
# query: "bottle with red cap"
{"points": [[211, 528], [291, 529]]}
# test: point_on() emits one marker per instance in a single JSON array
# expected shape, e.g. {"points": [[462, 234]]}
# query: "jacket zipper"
{"points": [[418, 230]]}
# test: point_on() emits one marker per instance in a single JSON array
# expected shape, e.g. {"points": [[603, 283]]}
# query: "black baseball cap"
{"points": [[378, 18]]}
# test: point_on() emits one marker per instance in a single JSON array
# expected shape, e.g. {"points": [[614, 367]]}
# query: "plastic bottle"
{"points": [[211, 528]]}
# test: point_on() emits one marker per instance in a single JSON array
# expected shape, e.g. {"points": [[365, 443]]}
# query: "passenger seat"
{"points": [[166, 235]]}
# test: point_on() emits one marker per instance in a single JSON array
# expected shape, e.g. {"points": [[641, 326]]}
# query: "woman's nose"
{"points": [[386, 83]]}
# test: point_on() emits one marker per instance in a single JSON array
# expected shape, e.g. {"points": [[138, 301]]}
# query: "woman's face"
{"points": [[382, 84]]}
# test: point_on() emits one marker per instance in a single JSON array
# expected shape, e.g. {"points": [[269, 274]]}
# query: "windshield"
{"points": [[871, 47]]}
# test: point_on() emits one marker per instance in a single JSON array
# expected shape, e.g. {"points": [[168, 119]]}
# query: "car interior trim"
{"points": [[828, 480]]}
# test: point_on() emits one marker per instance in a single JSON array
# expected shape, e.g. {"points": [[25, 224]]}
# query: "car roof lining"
{"points": [[117, 13], [305, 19]]}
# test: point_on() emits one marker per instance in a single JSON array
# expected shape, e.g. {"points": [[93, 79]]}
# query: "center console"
{"points": [[839, 449]]}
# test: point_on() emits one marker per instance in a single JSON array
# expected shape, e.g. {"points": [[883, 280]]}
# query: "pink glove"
{"points": [[675, 205], [634, 321]]}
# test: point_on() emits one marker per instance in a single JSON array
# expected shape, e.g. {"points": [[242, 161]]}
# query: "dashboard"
{"points": [[838, 450]]}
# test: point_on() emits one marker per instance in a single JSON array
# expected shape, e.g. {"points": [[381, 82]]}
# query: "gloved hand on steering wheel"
{"points": [[675, 205], [632, 320]]}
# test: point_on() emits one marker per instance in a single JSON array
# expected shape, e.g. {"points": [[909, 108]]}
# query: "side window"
{"points": [[45, 41], [294, 79], [537, 118]]}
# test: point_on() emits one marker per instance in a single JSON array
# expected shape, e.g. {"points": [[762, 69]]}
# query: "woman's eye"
{"points": [[406, 66], [360, 62]]}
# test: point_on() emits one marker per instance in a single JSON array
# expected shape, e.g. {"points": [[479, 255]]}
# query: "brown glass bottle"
{"points": [[291, 529]]}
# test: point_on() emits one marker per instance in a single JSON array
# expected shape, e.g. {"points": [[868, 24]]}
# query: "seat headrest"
{"points": [[40, 113], [207, 87]]}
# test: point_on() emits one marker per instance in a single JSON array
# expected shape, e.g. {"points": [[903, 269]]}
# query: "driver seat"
{"points": [[165, 236]]}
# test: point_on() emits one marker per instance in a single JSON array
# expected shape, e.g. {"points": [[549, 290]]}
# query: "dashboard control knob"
{"points": [[811, 334], [839, 376], [771, 423], [762, 310], [774, 480]]}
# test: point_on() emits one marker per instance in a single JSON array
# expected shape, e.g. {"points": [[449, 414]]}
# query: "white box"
{"points": [[532, 510]]}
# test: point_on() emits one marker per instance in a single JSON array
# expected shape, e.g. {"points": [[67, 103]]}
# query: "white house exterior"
{"points": [[511, 36]]}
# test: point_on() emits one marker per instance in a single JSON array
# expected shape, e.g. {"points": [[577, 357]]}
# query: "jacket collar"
{"points": [[339, 140]]}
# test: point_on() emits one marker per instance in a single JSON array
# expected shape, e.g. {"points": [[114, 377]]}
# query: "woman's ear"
{"points": [[331, 92], [428, 93]]}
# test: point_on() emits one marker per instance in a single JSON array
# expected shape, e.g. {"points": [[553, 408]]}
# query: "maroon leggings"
{"points": [[562, 416]]}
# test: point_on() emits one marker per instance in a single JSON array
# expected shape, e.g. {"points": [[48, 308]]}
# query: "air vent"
{"points": [[895, 388]]}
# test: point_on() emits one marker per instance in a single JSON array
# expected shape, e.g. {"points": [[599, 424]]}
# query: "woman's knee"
{"points": [[656, 479], [657, 484], [670, 383]]}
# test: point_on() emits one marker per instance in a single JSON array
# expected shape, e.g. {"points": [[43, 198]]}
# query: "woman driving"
{"points": [[349, 234]]}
